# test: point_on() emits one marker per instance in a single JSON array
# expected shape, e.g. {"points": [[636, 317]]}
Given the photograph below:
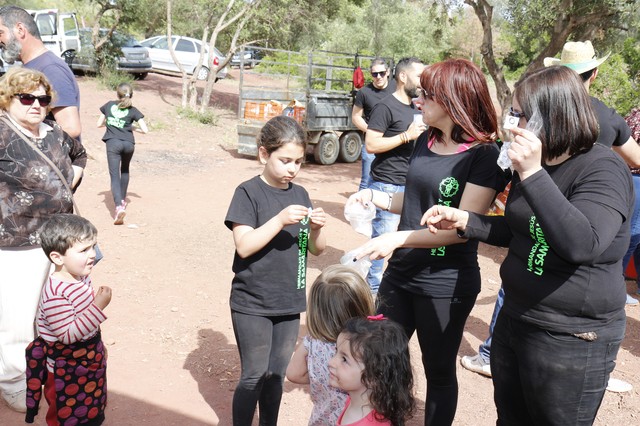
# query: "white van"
{"points": [[59, 32]]}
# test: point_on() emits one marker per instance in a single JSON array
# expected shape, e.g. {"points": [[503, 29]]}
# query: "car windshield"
{"points": [[125, 40], [117, 39]]}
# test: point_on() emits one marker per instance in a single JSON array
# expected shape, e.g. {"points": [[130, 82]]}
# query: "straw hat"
{"points": [[577, 55]]}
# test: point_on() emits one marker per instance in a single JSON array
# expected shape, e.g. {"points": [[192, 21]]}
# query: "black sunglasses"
{"points": [[29, 99], [378, 73], [516, 114]]}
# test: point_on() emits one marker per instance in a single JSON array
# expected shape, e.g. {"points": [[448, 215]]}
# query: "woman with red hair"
{"points": [[432, 281]]}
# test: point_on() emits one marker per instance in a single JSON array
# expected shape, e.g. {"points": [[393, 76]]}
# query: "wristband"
{"points": [[389, 203]]}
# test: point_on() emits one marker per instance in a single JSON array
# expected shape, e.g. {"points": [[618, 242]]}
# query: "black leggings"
{"points": [[119, 154], [439, 324], [265, 345]]}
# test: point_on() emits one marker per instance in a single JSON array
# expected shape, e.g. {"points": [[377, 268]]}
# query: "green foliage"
{"points": [[389, 28], [109, 78], [631, 55], [613, 86], [330, 70], [207, 117]]}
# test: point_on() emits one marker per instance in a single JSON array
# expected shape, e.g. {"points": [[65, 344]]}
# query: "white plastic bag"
{"points": [[360, 217], [361, 265]]}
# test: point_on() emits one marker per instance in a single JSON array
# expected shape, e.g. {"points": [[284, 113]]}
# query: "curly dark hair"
{"points": [[383, 348]]}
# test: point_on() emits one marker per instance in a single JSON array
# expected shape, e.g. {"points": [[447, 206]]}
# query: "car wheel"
{"points": [[140, 76], [203, 74], [327, 149], [350, 146]]}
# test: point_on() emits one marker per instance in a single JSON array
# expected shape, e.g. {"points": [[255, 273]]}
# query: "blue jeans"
{"points": [[365, 179], [542, 377], [485, 347], [265, 345], [634, 245], [383, 222]]}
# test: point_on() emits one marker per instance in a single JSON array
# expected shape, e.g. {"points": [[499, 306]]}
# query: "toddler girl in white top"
{"points": [[337, 295]]}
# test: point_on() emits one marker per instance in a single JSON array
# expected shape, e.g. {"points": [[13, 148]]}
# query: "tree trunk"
{"points": [[484, 12], [245, 13]]}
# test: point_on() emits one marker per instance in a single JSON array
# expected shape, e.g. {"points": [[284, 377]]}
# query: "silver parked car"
{"points": [[132, 57], [187, 51]]}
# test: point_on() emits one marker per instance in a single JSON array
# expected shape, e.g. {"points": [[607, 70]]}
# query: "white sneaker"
{"points": [[16, 401], [618, 386], [120, 214], [476, 364]]}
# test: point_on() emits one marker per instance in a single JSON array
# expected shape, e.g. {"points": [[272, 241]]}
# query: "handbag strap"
{"points": [[45, 158]]}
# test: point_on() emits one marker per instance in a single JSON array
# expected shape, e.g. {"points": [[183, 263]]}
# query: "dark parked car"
{"points": [[249, 57], [132, 56]]}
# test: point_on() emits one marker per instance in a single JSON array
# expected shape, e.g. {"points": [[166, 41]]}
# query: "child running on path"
{"points": [[273, 227], [69, 358], [337, 295], [119, 116], [372, 365]]}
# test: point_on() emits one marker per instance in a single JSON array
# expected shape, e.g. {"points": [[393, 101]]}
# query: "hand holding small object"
{"points": [[293, 214], [318, 217], [102, 297]]}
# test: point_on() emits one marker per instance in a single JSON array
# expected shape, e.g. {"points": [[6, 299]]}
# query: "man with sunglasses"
{"points": [[366, 99], [390, 136], [20, 40]]}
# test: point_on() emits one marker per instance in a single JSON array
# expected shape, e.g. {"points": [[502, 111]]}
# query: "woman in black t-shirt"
{"points": [[567, 228], [431, 282]]}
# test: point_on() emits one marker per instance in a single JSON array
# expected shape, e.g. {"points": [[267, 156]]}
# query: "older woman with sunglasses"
{"points": [[30, 192], [432, 281]]}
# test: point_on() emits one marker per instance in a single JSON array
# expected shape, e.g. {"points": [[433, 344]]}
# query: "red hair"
{"points": [[460, 88]]}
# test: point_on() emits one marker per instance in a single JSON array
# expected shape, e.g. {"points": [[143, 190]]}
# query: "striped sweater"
{"points": [[66, 312]]}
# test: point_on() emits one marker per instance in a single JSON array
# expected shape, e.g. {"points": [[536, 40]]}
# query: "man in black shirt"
{"points": [[367, 98], [390, 136]]}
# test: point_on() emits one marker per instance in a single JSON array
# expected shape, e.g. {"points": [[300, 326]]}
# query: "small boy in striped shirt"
{"points": [[69, 358]]}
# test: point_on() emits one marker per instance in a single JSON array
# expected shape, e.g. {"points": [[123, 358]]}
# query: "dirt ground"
{"points": [[172, 355]]}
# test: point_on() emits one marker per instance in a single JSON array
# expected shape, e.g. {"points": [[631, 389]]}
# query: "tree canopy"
{"points": [[507, 37]]}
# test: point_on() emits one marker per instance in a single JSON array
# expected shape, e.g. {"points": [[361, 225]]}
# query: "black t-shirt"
{"points": [[614, 131], [119, 121], [441, 179], [369, 96], [563, 271], [273, 280], [391, 117]]}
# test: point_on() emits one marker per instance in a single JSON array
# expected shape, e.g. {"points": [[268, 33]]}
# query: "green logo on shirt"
{"points": [[539, 250], [117, 115], [448, 187]]}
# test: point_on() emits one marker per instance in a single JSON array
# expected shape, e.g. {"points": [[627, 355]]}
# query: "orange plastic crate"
{"points": [[254, 110]]}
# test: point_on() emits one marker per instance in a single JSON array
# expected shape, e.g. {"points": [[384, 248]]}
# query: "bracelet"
{"points": [[371, 195], [403, 138], [389, 203], [406, 137]]}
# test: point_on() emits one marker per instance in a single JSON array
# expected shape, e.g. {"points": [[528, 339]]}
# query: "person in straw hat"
{"points": [[614, 131]]}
